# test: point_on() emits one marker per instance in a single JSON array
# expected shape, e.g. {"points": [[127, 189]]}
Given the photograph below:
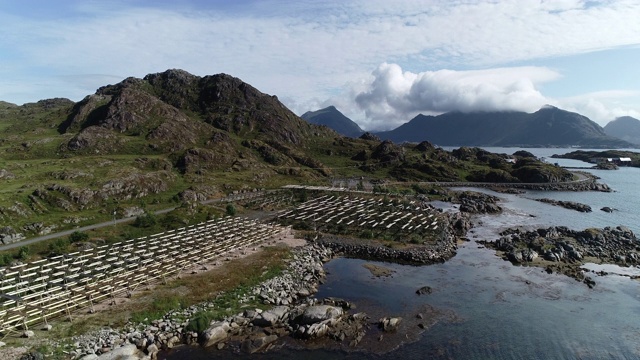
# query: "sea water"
{"points": [[500, 311]]}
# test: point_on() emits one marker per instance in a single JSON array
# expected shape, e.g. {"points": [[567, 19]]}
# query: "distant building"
{"points": [[624, 161]]}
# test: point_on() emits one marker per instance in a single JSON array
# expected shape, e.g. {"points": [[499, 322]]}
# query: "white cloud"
{"points": [[305, 52], [394, 97], [603, 106]]}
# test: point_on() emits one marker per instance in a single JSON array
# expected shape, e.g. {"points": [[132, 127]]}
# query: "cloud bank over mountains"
{"points": [[393, 96]]}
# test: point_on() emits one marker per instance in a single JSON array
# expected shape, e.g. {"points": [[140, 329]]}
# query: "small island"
{"points": [[606, 160]]}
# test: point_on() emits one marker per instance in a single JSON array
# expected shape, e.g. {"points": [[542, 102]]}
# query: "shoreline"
{"points": [[429, 255]]}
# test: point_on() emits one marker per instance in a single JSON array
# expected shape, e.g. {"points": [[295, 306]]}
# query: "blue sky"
{"points": [[379, 62]]}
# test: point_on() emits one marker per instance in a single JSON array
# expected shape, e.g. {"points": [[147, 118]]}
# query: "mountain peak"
{"points": [[624, 127], [334, 119]]}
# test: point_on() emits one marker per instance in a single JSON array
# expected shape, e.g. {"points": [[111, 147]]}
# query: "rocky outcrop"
{"points": [[8, 235], [6, 175], [132, 186], [39, 228], [477, 203], [318, 313], [571, 205], [562, 245], [389, 324]]}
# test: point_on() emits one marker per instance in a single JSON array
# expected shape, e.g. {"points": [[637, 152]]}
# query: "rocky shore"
{"points": [[298, 281], [294, 314], [571, 205], [560, 249], [438, 251]]}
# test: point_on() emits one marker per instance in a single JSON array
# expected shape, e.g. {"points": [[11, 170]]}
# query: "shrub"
{"points": [[59, 246], [23, 253], [231, 210], [78, 236], [146, 220], [5, 259], [200, 321]]}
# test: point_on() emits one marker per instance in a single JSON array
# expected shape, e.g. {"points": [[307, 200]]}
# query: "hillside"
{"points": [[334, 119], [547, 127], [173, 139], [625, 128]]}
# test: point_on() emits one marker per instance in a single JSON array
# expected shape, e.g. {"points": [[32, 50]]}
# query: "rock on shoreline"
{"points": [[560, 249], [571, 205]]}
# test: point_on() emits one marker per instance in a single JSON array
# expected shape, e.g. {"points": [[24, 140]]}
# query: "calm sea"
{"points": [[496, 310]]}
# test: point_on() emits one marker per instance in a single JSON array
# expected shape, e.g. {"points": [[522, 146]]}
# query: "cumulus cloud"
{"points": [[392, 96]]}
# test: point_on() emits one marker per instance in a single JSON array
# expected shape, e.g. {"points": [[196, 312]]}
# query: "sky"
{"points": [[379, 62]]}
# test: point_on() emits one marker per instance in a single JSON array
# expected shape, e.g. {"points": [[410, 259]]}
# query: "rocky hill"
{"points": [[547, 127], [625, 128], [334, 119], [174, 138]]}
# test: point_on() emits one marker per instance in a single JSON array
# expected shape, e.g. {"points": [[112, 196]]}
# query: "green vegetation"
{"points": [[68, 164], [157, 309], [145, 221], [231, 210], [78, 236]]}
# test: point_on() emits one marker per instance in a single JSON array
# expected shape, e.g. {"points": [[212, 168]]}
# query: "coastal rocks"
{"points": [[389, 324], [455, 225], [526, 255], [571, 205], [422, 256], [477, 203], [569, 248], [607, 209], [216, 333], [271, 317], [318, 313], [256, 344], [129, 351]]}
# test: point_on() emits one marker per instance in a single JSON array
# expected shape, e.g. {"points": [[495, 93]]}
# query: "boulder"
{"points": [[89, 357], [152, 350], [127, 352], [424, 290], [529, 255], [318, 313], [252, 345], [515, 256], [216, 333], [271, 317], [389, 324]]}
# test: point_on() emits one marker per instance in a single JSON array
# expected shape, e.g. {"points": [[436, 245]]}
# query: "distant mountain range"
{"points": [[334, 119], [625, 128], [547, 127]]}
